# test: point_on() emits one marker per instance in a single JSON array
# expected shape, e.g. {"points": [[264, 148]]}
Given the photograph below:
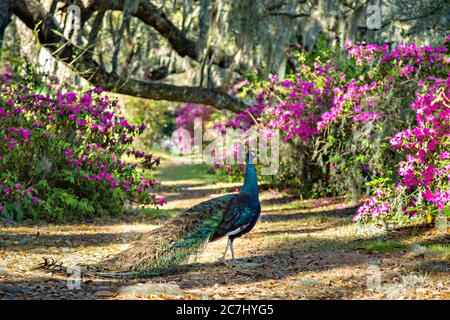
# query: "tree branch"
{"points": [[50, 35], [156, 18], [287, 14]]}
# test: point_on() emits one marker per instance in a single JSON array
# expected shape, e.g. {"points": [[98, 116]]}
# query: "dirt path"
{"points": [[298, 250]]}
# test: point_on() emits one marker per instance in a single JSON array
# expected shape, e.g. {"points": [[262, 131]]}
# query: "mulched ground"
{"points": [[298, 250]]}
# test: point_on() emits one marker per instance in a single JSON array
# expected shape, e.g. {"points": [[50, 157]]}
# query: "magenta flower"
{"points": [[444, 155]]}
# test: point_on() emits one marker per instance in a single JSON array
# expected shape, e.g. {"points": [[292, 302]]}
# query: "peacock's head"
{"points": [[251, 157]]}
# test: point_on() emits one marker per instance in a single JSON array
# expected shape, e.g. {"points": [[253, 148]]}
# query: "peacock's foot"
{"points": [[228, 263]]}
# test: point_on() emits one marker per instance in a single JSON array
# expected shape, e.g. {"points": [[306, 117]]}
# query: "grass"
{"points": [[439, 248], [286, 237], [295, 205], [187, 173], [415, 280]]}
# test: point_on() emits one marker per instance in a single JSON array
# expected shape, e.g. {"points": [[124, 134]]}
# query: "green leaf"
{"points": [[446, 211]]}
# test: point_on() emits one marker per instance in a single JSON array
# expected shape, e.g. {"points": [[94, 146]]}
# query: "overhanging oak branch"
{"points": [[149, 14], [50, 35]]}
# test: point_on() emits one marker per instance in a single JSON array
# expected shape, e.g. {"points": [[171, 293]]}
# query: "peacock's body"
{"points": [[187, 234]]}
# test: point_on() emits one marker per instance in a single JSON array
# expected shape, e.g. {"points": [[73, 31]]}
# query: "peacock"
{"points": [[186, 235]]}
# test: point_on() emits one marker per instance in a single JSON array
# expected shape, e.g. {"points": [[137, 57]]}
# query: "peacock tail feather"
{"points": [[161, 250], [186, 235]]}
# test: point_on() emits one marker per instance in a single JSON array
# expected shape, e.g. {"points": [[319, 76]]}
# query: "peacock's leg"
{"points": [[226, 250], [231, 248]]}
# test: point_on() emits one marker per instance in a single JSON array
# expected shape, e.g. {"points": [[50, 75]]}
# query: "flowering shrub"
{"points": [[424, 168], [187, 113], [186, 117], [212, 124], [338, 111], [61, 154]]}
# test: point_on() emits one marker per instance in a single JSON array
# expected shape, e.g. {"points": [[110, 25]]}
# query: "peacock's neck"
{"points": [[250, 182]]}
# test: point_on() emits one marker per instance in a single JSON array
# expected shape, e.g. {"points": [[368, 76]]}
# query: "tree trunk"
{"points": [[5, 18]]}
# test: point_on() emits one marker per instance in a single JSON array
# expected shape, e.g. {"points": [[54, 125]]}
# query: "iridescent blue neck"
{"points": [[250, 181]]}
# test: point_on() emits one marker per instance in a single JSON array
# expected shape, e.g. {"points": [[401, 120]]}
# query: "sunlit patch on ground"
{"points": [[298, 250]]}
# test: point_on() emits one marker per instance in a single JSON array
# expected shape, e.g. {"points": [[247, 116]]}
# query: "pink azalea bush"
{"points": [[187, 113], [186, 116], [424, 167], [342, 114], [62, 154]]}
